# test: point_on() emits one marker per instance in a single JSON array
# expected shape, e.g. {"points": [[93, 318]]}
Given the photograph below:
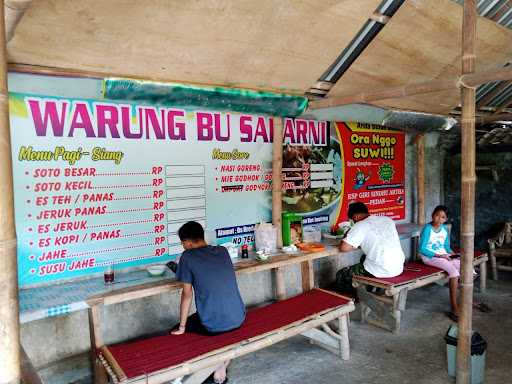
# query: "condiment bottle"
{"points": [[245, 251]]}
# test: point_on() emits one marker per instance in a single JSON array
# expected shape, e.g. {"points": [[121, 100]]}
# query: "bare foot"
{"points": [[219, 376]]}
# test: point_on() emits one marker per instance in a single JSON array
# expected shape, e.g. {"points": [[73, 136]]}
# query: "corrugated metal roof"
{"points": [[499, 11], [493, 98]]}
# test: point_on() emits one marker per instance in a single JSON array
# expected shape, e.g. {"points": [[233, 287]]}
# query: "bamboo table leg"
{"points": [[494, 268], [483, 276], [344, 342], [279, 281], [308, 275]]}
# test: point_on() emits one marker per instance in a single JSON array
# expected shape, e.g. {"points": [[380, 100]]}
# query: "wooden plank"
{"points": [[282, 260], [49, 33], [134, 292], [308, 275], [322, 337], [113, 363], [99, 373], [95, 327]]}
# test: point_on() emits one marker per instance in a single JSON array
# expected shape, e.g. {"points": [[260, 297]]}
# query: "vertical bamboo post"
{"points": [[420, 154], [467, 194], [277, 179], [277, 199], [9, 311]]}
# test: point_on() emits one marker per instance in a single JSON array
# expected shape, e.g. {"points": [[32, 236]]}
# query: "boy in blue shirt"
{"points": [[207, 272]]}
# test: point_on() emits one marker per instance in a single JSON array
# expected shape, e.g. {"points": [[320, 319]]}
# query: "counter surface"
{"points": [[60, 299]]}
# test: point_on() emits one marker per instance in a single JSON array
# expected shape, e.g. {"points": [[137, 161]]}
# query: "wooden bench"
{"points": [[500, 250], [166, 357], [385, 311]]}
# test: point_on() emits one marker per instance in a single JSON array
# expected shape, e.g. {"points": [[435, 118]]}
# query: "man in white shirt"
{"points": [[378, 238]]}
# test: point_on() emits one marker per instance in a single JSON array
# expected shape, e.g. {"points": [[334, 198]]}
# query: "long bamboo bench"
{"points": [[385, 311], [163, 358]]}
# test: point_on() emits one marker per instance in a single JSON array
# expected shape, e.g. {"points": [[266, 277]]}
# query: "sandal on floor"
{"points": [[482, 307], [452, 316]]}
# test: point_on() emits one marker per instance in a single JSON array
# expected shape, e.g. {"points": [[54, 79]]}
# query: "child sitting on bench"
{"points": [[435, 251], [208, 272]]}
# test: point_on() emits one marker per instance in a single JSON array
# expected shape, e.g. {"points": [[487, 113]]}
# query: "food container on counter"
{"points": [[292, 228], [311, 234], [265, 237]]}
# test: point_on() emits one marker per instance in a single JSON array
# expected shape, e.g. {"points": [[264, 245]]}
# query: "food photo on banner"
{"points": [[330, 165]]}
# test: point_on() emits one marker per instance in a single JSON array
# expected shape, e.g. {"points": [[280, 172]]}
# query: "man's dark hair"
{"points": [[439, 208], [355, 208], [191, 230]]}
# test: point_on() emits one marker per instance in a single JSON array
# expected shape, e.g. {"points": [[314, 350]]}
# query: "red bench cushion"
{"points": [[412, 271], [146, 356]]}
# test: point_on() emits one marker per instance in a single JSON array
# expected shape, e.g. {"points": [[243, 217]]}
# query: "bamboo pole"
{"points": [[466, 80], [420, 151], [277, 180], [467, 195], [9, 306], [14, 10], [277, 199]]}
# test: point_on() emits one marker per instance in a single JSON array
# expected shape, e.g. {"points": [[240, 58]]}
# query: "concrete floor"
{"points": [[416, 355]]}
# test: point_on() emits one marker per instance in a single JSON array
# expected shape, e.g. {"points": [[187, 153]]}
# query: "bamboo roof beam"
{"points": [[495, 117], [467, 80], [14, 10], [506, 104]]}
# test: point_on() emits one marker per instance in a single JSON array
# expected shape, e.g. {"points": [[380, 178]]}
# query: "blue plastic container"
{"points": [[478, 352]]}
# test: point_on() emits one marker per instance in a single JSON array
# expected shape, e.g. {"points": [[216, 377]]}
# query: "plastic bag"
{"points": [[265, 236]]}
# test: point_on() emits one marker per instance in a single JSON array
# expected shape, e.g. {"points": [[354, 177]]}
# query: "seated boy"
{"points": [[378, 238], [208, 272]]}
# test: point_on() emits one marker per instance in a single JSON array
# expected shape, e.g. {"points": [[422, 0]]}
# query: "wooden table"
{"points": [[62, 299]]}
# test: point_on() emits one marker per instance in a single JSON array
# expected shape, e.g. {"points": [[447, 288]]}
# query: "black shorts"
{"points": [[194, 325]]}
